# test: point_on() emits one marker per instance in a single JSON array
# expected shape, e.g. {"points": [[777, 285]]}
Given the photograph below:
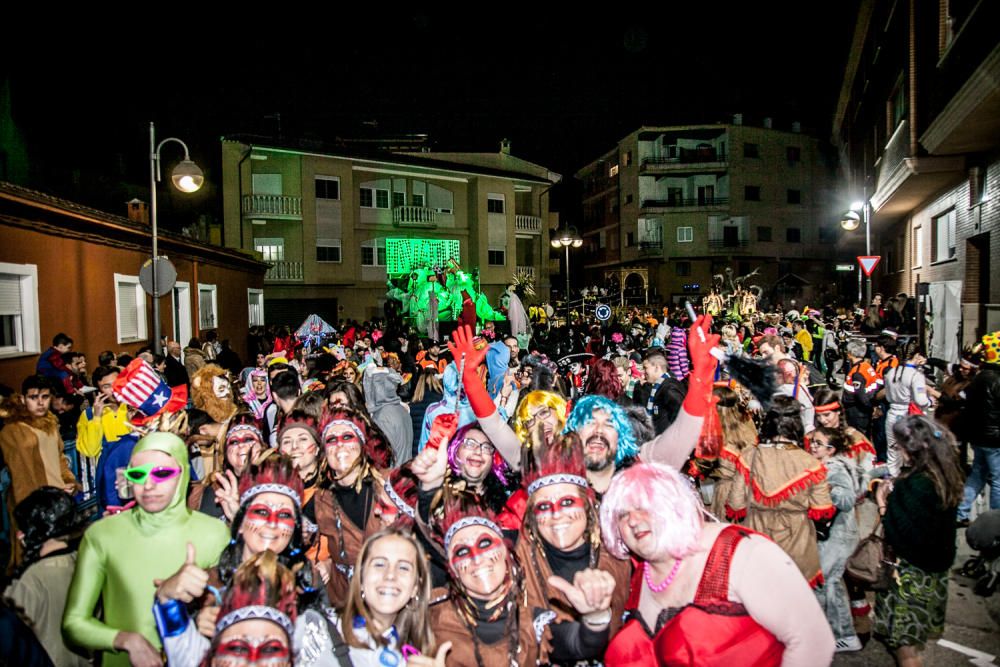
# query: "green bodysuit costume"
{"points": [[121, 555]]}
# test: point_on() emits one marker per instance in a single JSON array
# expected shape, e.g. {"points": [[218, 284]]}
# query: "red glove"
{"points": [[461, 343], [443, 428], [698, 400]]}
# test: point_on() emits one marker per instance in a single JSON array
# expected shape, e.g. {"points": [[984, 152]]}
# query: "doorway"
{"points": [[182, 313]]}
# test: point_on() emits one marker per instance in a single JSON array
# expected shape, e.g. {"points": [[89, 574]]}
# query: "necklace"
{"points": [[659, 588]]}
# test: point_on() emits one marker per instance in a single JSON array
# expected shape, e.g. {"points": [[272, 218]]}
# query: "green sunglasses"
{"points": [[139, 474]]}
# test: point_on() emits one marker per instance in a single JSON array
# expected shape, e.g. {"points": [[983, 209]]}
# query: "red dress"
{"points": [[709, 632]]}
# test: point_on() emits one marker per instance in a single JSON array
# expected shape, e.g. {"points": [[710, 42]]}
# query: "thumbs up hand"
{"points": [[186, 584]]}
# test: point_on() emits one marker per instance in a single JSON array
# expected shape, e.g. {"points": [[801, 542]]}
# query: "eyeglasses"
{"points": [[471, 445], [539, 416], [140, 474]]}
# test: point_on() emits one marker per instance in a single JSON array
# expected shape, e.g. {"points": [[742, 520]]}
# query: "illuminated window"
{"points": [[685, 234], [613, 171]]}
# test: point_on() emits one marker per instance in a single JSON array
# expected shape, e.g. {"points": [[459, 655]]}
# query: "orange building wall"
{"points": [[76, 295]]}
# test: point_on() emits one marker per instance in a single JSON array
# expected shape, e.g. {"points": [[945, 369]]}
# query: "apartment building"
{"points": [[918, 125], [335, 224], [684, 203]]}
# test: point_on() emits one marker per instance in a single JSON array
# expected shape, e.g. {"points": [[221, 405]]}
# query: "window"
{"points": [[398, 199], [918, 247], [327, 187], [685, 234], [494, 203], [944, 236], [751, 150], [794, 154], [751, 192], [19, 331], [629, 239], [327, 250], [496, 257], [418, 199], [794, 196], [130, 309], [682, 268], [627, 159], [793, 235], [628, 199], [374, 198], [373, 253], [764, 234], [897, 105], [208, 307], [270, 249], [613, 171], [977, 185], [255, 300]]}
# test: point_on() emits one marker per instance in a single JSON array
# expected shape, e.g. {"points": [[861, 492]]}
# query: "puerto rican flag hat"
{"points": [[141, 387]]}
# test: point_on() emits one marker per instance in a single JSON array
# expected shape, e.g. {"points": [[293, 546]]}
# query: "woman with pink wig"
{"points": [[704, 592]]}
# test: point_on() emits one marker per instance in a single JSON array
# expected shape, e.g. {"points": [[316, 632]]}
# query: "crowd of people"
{"points": [[608, 493]]}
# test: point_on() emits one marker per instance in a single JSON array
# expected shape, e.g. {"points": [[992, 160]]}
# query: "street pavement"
{"points": [[972, 624]]}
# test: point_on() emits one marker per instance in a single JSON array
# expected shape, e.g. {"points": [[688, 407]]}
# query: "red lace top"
{"points": [[709, 632]]}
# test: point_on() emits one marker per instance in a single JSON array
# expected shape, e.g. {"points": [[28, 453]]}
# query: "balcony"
{"points": [[284, 272], [527, 224], [651, 247], [678, 202], [419, 217], [728, 245], [275, 207], [693, 159]]}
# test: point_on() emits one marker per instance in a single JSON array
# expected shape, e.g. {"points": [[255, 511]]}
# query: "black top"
{"points": [[918, 527], [566, 564]]}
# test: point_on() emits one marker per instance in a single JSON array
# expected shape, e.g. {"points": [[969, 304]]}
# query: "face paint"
{"points": [[238, 448], [257, 651], [560, 514], [268, 523], [343, 447], [479, 559]]}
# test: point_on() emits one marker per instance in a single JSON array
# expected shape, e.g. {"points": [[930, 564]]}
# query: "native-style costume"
{"points": [[32, 450], [785, 490], [121, 555]]}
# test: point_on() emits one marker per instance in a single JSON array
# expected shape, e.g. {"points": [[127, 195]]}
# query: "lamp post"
{"points": [[564, 238], [861, 212], [186, 177]]}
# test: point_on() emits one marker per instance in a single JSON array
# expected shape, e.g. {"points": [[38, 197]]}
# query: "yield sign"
{"points": [[868, 263]]}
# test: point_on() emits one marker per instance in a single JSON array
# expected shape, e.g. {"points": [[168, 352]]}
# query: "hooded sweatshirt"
{"points": [[121, 555]]}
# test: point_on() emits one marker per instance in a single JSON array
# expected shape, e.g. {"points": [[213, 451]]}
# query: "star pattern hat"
{"points": [[141, 387]]}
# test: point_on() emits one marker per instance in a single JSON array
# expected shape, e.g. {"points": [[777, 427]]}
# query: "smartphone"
{"points": [[122, 486]]}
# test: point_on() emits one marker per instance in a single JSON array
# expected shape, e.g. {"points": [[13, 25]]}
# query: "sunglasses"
{"points": [[139, 474]]}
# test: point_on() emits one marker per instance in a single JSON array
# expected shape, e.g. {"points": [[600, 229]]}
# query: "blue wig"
{"points": [[583, 414]]}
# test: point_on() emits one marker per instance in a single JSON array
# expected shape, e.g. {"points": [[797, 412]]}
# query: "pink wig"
{"points": [[676, 513]]}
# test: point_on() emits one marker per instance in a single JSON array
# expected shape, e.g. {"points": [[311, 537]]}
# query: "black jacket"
{"points": [[666, 403], [983, 401]]}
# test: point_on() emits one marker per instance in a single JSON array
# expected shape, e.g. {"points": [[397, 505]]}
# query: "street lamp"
{"points": [[186, 177], [564, 238], [859, 212]]}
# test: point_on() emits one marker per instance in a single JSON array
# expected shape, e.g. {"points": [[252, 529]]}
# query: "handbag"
{"points": [[870, 564], [914, 409]]}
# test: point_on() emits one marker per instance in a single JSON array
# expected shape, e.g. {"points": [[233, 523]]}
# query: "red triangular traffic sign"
{"points": [[868, 263]]}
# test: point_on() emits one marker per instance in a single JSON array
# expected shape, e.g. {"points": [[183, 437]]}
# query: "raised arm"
{"points": [[675, 445], [499, 433]]}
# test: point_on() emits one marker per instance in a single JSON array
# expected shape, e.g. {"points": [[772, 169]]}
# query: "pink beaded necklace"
{"points": [[659, 588]]}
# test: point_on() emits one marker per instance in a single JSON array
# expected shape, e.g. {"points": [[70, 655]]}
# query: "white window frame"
{"points": [[949, 218], [375, 245], [918, 246], [269, 242], [496, 197], [423, 199], [215, 307], [336, 179], [375, 191], [687, 236], [332, 243], [252, 292], [142, 332], [27, 323]]}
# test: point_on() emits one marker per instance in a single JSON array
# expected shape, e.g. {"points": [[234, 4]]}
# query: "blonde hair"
{"points": [[537, 399], [412, 624]]}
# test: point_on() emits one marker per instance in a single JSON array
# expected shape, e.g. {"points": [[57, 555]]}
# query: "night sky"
{"points": [[562, 86]]}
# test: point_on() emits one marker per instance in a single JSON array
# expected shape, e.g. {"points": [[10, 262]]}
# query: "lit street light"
{"points": [[564, 238], [186, 177], [850, 221]]}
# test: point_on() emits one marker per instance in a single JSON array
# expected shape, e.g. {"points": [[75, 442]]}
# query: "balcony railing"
{"points": [[892, 157], [272, 206], [728, 245], [527, 271], [288, 272], [529, 224], [414, 216], [679, 202], [687, 156], [651, 246]]}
